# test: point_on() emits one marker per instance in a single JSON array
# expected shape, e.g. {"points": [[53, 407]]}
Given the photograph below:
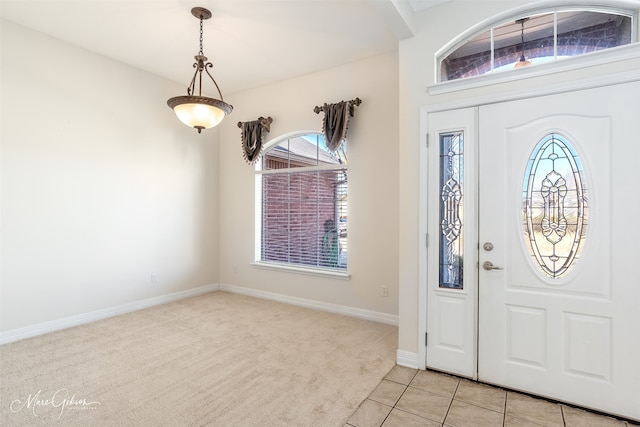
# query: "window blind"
{"points": [[303, 210]]}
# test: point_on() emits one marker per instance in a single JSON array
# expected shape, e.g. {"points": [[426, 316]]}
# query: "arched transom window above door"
{"points": [[536, 37]]}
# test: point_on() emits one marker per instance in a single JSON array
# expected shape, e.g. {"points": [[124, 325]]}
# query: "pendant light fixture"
{"points": [[522, 62], [197, 111]]}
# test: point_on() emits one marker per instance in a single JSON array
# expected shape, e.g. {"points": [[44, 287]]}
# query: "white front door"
{"points": [[558, 283], [546, 190]]}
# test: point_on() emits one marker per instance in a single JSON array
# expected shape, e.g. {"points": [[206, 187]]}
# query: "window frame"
{"points": [[258, 211], [628, 51]]}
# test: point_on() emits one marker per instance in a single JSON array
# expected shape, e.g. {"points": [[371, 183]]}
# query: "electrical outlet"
{"points": [[154, 278], [384, 291]]}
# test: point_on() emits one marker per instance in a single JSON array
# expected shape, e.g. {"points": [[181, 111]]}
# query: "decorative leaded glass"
{"points": [[451, 209], [555, 210]]}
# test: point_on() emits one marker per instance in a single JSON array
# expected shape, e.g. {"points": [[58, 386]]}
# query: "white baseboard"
{"points": [[81, 319], [408, 359], [375, 316]]}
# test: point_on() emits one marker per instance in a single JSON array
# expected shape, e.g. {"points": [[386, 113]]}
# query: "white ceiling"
{"points": [[250, 42]]}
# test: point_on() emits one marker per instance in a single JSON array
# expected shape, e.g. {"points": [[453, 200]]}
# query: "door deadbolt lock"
{"points": [[488, 246]]}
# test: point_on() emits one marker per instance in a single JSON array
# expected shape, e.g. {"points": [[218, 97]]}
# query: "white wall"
{"points": [[96, 197], [101, 185], [436, 27], [373, 183]]}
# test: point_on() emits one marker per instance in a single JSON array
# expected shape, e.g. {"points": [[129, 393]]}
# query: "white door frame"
{"points": [[588, 83]]}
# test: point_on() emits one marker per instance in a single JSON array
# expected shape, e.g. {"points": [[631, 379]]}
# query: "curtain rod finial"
{"points": [[266, 122]]}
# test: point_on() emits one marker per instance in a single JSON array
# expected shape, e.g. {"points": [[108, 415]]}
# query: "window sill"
{"points": [[320, 272]]}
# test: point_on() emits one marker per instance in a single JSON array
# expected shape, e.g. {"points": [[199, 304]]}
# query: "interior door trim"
{"points": [[568, 86]]}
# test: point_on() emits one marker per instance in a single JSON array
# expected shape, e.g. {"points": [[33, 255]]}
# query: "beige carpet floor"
{"points": [[219, 359]]}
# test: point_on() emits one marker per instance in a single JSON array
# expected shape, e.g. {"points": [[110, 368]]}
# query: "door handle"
{"points": [[488, 265]]}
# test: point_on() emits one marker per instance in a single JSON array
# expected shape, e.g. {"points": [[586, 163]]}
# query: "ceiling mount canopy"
{"points": [[197, 111]]}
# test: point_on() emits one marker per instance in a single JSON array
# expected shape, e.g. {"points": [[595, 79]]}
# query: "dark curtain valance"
{"points": [[253, 138], [336, 121]]}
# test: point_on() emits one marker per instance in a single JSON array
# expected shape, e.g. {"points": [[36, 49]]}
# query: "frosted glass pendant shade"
{"points": [[199, 112], [522, 62]]}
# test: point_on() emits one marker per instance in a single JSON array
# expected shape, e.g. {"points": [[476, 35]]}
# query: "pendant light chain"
{"points": [[522, 61], [201, 52], [521, 38]]}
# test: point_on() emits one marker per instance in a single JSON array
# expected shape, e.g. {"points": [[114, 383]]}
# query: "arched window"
{"points": [[536, 38], [301, 206]]}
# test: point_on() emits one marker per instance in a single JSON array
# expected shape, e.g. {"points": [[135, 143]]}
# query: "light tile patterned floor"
{"points": [[408, 397]]}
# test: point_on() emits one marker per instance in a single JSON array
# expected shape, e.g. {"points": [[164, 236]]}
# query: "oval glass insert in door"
{"points": [[555, 208]]}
